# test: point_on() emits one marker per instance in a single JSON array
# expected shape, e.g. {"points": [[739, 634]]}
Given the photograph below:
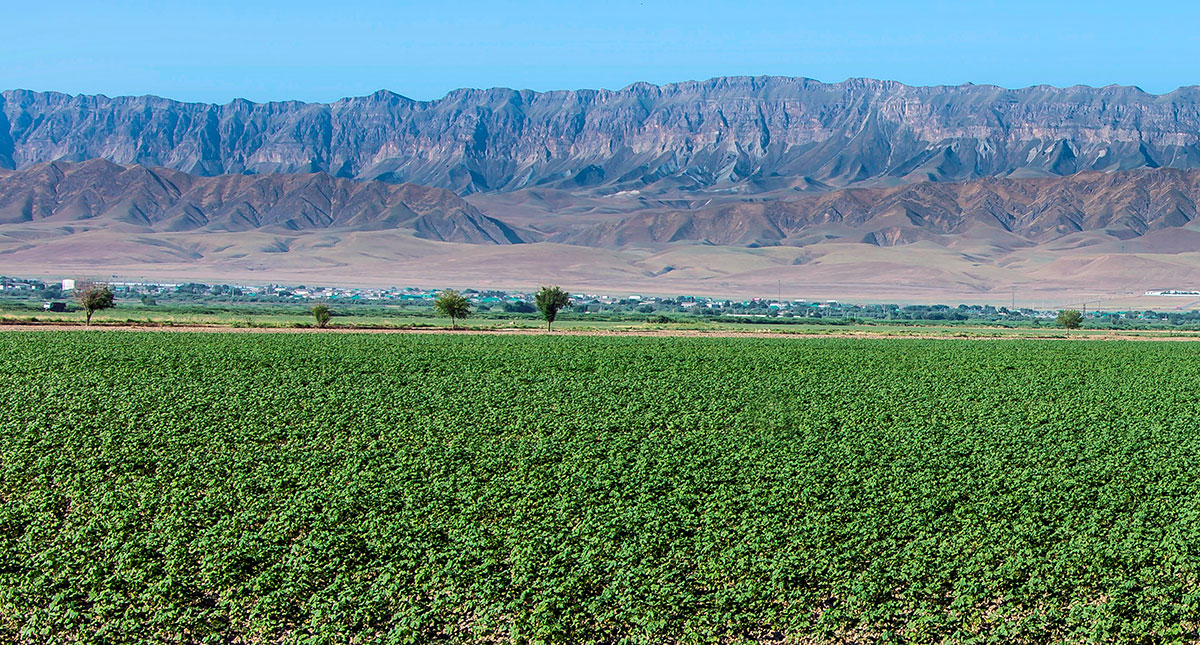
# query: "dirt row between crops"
{"points": [[974, 334]]}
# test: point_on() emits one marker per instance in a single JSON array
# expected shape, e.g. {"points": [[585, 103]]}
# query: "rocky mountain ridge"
{"points": [[164, 200], [744, 134], [1009, 211]]}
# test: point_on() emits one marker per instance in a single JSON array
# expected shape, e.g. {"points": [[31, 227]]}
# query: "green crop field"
{"points": [[173, 487]]}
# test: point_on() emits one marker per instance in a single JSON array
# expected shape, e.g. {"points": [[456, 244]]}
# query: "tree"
{"points": [[93, 296], [549, 301], [451, 303], [1070, 318], [321, 313]]}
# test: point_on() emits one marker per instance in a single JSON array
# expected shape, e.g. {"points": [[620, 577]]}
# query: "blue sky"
{"points": [[217, 50]]}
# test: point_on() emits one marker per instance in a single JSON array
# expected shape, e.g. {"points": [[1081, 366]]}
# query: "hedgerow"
{"points": [[402, 489]]}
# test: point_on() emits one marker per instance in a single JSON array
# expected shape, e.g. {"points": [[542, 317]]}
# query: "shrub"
{"points": [[322, 314]]}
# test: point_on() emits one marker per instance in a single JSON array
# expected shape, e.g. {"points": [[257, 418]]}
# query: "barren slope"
{"points": [[98, 192], [757, 134]]}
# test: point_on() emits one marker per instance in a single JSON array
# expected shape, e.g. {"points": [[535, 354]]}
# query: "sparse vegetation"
{"points": [[549, 301], [321, 314], [454, 305], [93, 297], [1070, 319]]}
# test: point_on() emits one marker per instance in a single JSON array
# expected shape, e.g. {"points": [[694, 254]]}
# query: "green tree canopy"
{"points": [[451, 303], [549, 301], [93, 296], [322, 314], [1070, 318]]}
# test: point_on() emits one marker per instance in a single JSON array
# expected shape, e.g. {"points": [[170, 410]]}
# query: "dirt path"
{"points": [[883, 333], [493, 331]]}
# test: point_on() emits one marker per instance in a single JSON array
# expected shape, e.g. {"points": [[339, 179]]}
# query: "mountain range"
{"points": [[166, 200], [753, 133], [1121, 205], [862, 187]]}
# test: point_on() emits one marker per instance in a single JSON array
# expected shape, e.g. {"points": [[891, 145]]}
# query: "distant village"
{"points": [[56, 295]]}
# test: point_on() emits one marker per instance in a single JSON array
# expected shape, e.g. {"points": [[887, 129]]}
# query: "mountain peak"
{"points": [[679, 138]]}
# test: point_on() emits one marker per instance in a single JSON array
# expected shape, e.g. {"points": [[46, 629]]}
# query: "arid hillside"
{"points": [[751, 134], [1088, 235]]}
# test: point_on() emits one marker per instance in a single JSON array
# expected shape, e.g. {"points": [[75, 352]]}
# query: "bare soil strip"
{"points": [[973, 334]]}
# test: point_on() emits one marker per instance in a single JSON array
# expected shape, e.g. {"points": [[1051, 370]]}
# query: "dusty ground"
{"points": [[979, 333], [922, 273]]}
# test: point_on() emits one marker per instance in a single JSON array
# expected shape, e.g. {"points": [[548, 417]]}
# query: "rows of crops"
{"points": [[321, 488]]}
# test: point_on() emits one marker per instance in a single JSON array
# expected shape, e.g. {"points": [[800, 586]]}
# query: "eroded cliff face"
{"points": [[758, 134], [1006, 211], [149, 199]]}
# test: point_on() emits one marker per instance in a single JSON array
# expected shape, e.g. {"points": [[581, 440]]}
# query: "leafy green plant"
{"points": [[93, 297], [549, 301], [321, 314], [1070, 319], [241, 487], [453, 305]]}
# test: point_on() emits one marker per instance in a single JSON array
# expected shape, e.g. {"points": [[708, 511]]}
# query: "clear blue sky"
{"points": [[215, 50]]}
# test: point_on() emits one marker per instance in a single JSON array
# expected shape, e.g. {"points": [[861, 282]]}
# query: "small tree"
{"points": [[549, 301], [1070, 319], [322, 314], [93, 296], [451, 303]]}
